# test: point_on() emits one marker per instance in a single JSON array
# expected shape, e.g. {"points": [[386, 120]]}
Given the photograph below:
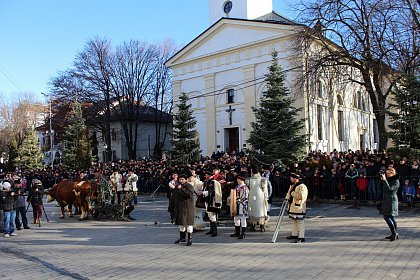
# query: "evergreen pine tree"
{"points": [[404, 113], [185, 145], [77, 151], [30, 154], [276, 135], [13, 161]]}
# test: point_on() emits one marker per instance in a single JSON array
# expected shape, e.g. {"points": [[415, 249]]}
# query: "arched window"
{"points": [[230, 96], [340, 100], [320, 89]]}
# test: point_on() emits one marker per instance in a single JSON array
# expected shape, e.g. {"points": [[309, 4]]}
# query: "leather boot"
{"points": [[181, 237], [211, 228], [189, 242], [214, 229], [237, 232], [243, 235]]}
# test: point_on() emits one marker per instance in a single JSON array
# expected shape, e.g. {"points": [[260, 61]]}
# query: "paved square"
{"points": [[343, 242]]}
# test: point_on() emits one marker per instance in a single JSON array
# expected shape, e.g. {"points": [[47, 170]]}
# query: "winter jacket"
{"points": [[389, 194], [181, 205], [8, 201]]}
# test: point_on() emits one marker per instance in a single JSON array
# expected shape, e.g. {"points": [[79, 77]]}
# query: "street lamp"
{"points": [[50, 132]]}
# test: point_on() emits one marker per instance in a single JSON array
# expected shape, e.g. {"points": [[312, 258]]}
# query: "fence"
{"points": [[335, 188]]}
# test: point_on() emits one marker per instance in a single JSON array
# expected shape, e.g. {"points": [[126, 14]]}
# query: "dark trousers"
{"points": [[22, 212], [391, 222]]}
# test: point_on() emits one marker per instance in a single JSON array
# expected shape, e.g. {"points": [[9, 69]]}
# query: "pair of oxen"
{"points": [[70, 193]]}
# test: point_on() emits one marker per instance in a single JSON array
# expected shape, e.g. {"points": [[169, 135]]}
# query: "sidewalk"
{"points": [[343, 242]]}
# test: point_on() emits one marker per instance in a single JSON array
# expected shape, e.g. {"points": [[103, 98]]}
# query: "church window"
{"points": [[320, 125], [113, 134], [320, 90], [340, 126], [340, 100], [230, 96], [375, 131]]}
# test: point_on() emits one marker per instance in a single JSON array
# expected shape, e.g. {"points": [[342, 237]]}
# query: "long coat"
{"points": [[389, 196], [299, 195], [181, 205]]}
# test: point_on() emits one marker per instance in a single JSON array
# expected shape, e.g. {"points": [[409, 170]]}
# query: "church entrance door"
{"points": [[231, 139]]}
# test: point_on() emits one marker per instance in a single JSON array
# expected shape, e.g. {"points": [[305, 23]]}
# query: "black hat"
{"points": [[242, 176], [295, 175], [17, 181], [208, 172], [182, 176]]}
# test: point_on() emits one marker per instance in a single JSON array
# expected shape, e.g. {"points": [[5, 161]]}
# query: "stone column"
{"points": [[210, 114], [250, 100]]}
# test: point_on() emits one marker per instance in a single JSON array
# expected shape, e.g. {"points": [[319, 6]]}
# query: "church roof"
{"points": [[275, 18], [271, 18]]}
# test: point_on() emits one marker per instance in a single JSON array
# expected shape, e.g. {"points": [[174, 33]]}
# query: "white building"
{"points": [[223, 71]]}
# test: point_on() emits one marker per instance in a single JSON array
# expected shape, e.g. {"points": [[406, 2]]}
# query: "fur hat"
{"points": [[295, 175], [242, 176]]}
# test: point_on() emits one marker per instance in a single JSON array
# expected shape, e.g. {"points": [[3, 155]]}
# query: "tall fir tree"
{"points": [[13, 157], [30, 154], [276, 134], [404, 113], [77, 151], [185, 144]]}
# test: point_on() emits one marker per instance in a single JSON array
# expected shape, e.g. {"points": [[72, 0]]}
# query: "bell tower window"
{"points": [[230, 96]]}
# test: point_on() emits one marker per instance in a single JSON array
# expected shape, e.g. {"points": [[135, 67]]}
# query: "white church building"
{"points": [[223, 71]]}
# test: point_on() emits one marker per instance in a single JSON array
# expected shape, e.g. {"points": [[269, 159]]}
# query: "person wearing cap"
{"points": [[297, 196], [182, 208], [239, 206], [9, 212], [20, 205], [35, 198], [212, 192]]}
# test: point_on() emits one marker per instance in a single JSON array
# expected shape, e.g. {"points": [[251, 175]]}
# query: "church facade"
{"points": [[223, 72]]}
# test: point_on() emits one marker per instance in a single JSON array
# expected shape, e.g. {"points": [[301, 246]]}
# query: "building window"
{"points": [[340, 100], [375, 132], [320, 125], [340, 126], [360, 101], [230, 96], [114, 134], [320, 90]]}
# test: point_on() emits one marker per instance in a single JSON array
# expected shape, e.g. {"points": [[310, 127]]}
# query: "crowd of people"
{"points": [[222, 184]]}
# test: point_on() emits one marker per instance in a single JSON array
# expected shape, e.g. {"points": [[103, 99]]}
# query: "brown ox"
{"points": [[69, 193]]}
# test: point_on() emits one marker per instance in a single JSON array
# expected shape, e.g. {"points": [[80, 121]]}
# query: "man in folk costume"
{"points": [[297, 196], [194, 180], [182, 207], [116, 183], [212, 192], [130, 193], [239, 206], [258, 200]]}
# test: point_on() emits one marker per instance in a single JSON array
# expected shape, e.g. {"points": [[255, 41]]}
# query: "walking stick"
{"points": [[45, 213], [282, 210]]}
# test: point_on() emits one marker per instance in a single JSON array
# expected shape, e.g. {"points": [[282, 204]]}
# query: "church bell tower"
{"points": [[242, 9]]}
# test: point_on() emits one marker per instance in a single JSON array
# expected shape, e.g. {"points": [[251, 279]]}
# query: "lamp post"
{"points": [[50, 132]]}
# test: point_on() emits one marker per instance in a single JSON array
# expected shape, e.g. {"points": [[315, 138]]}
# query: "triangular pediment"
{"points": [[229, 34]]}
